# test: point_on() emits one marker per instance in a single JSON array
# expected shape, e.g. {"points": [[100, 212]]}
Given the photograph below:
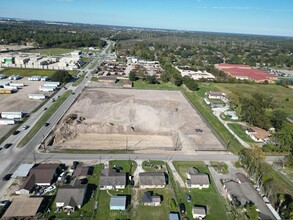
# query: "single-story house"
{"points": [[149, 199], [258, 134], [70, 198], [242, 178], [152, 180], [199, 212], [111, 179], [215, 95], [23, 207], [174, 216], [235, 193], [195, 179], [118, 202]]}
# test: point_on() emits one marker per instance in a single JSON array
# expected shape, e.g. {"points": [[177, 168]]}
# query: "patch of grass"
{"points": [[52, 51], [282, 179], [153, 165], [223, 134], [79, 80], [140, 84], [94, 79], [220, 167], [240, 132], [129, 166], [30, 72], [148, 212], [86, 59], [214, 202], [45, 117]]}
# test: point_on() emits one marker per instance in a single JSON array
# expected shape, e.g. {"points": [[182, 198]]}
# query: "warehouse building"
{"points": [[12, 115]]}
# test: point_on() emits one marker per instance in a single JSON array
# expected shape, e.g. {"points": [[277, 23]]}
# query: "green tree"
{"points": [[132, 76], [165, 77], [251, 212], [177, 80], [61, 76], [278, 117], [151, 80]]}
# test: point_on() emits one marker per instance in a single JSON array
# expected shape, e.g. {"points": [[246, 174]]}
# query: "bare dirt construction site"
{"points": [[19, 101], [139, 120]]}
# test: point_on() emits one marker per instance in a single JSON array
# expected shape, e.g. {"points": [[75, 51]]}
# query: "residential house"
{"points": [[215, 95], [118, 202], [195, 179], [149, 199], [199, 212], [152, 180], [70, 198], [111, 179], [257, 134]]}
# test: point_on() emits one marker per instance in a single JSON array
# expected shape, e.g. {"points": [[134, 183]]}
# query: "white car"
{"points": [[50, 188], [25, 127]]}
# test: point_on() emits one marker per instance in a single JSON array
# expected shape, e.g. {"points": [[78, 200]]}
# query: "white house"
{"points": [[257, 134]]}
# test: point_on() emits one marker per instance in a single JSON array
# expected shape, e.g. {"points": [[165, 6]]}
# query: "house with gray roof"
{"points": [[149, 199], [118, 202], [70, 198], [195, 179], [111, 179], [152, 180], [199, 212]]}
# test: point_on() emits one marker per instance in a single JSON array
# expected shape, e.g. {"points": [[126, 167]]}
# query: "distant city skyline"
{"points": [[265, 17]]}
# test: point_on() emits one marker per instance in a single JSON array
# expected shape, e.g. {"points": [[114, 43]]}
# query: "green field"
{"points": [[240, 132], [45, 117], [30, 72], [215, 203], [279, 93], [52, 51], [140, 84]]}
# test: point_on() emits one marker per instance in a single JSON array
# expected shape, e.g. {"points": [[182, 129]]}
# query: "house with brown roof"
{"points": [[197, 180], [112, 179], [152, 180], [258, 134], [40, 175]]}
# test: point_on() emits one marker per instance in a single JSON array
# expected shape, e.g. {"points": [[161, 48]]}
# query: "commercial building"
{"points": [[194, 74]]}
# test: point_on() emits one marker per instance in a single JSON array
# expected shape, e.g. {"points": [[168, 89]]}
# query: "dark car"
{"points": [[15, 132], [46, 124], [7, 145], [182, 208], [7, 177], [198, 130], [188, 198]]}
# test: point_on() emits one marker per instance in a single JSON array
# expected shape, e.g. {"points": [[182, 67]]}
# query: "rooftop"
{"points": [[118, 201], [152, 178], [22, 170], [71, 195]]}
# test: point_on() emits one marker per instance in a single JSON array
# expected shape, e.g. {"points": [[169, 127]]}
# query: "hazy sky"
{"points": [[270, 17]]}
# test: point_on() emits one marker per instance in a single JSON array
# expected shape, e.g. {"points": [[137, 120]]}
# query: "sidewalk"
{"points": [[177, 177]]}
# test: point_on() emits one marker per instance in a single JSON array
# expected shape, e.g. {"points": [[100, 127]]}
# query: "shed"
{"points": [[22, 170], [118, 203]]}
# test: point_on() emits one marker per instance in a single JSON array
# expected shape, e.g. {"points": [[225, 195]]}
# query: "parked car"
{"points": [[188, 198], [25, 127], [7, 177], [50, 188], [182, 208], [7, 145]]}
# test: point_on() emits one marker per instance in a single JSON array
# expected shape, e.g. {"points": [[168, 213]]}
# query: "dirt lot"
{"points": [[133, 119], [19, 101]]}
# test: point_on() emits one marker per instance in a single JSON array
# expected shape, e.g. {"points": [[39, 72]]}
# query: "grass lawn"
{"points": [[209, 197], [94, 79], [52, 51], [129, 166], [140, 84], [154, 166], [45, 117], [86, 59], [90, 198], [148, 212], [30, 72], [220, 167], [279, 93], [240, 131], [79, 80]]}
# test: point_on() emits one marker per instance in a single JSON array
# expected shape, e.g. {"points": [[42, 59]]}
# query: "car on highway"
{"points": [[7, 145], [7, 177], [16, 132], [45, 109], [25, 127], [46, 124]]}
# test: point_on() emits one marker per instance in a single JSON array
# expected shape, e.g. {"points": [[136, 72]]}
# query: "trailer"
{"points": [[52, 83], [14, 77], [3, 76], [34, 78], [16, 84], [4, 83], [45, 78], [12, 115], [13, 88], [6, 121], [5, 91], [37, 96], [47, 88]]}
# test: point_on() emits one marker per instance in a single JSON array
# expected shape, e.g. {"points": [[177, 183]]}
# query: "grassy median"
{"points": [[79, 80], [45, 117]]}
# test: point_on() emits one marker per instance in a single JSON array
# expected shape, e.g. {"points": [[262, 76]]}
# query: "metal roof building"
{"points": [[118, 203], [22, 170]]}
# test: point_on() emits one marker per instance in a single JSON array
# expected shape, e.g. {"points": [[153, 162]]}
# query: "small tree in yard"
{"points": [[61, 76], [132, 76], [151, 80]]}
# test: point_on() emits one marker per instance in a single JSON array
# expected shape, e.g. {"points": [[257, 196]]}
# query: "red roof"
{"points": [[236, 70]]}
